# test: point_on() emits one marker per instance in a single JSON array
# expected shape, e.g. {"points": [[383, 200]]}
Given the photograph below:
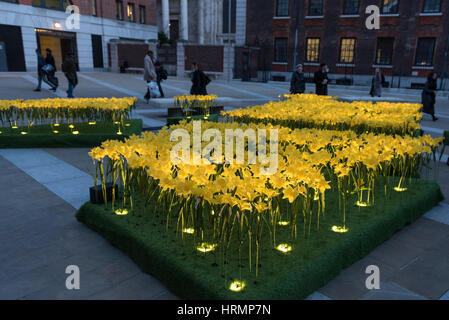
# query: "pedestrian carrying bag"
{"points": [[154, 89]]}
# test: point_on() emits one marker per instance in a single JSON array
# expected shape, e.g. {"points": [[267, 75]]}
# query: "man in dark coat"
{"points": [[429, 95], [298, 82], [199, 81], [321, 80], [69, 69], [49, 77], [40, 73]]}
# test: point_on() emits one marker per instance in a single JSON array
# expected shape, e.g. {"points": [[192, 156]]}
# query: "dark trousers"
{"points": [[160, 88]]}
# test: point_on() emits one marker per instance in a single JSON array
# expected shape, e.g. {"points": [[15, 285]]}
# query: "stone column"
{"points": [[201, 18], [184, 29], [166, 18]]}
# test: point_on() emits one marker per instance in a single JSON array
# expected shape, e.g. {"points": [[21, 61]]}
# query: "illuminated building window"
{"points": [[313, 50], [347, 50]]}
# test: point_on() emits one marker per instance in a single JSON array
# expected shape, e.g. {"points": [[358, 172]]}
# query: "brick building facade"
{"points": [[412, 40], [29, 24]]}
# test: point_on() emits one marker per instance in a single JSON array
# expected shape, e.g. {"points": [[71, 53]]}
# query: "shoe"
{"points": [[37, 90], [53, 89], [434, 118]]}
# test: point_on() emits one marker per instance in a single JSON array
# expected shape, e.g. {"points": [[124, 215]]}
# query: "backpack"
{"points": [[163, 74]]}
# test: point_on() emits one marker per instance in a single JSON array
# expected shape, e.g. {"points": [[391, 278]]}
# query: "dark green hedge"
{"points": [[314, 261], [90, 136]]}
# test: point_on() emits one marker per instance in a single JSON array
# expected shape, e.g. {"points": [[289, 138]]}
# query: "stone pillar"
{"points": [[184, 29], [166, 18], [201, 18], [180, 60]]}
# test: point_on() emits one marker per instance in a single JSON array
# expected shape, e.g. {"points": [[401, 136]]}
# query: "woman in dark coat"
{"points": [[429, 95], [199, 81], [298, 82]]}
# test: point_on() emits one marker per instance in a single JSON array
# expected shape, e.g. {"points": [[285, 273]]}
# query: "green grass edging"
{"points": [[89, 136], [312, 264]]}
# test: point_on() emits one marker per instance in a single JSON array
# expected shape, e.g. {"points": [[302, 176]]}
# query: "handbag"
{"points": [[48, 68], [154, 89]]}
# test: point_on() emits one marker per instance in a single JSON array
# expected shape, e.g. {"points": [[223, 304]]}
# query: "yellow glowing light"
{"points": [[119, 133], [399, 189], [362, 204], [283, 223], [24, 132], [75, 132], [206, 247], [56, 124], [121, 212], [237, 286], [128, 125], [92, 123], [1, 132], [55, 131], [284, 248], [212, 212], [338, 229], [71, 126], [15, 127], [116, 122], [188, 230]]}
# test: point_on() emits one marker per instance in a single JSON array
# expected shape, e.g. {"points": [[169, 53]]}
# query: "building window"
{"points": [[347, 50], [351, 7], [94, 8], [313, 50], [226, 15], [425, 51], [432, 6], [390, 6], [130, 12], [280, 50], [384, 53], [12, 1], [50, 4], [315, 7], [282, 8], [142, 14], [119, 10]]}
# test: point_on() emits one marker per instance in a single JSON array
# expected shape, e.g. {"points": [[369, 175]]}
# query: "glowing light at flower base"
{"points": [[188, 230], [283, 223], [55, 131], [24, 132], [400, 189], [71, 126], [338, 229], [56, 124], [284, 248], [237, 286], [206, 247], [75, 132], [121, 212], [362, 204], [92, 123]]}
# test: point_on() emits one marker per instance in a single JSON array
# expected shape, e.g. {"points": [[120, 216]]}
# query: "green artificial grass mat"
{"points": [[176, 120], [315, 260], [42, 136]]}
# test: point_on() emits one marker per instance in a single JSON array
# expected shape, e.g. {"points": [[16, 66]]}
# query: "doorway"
{"points": [[61, 43]]}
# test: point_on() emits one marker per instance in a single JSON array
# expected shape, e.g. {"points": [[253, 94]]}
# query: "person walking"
{"points": [[199, 81], [377, 84], [298, 82], [161, 75], [50, 70], [429, 95], [321, 80], [40, 73], [69, 69], [149, 74]]}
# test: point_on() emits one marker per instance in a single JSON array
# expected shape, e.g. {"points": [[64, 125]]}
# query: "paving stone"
{"points": [[318, 296], [427, 276], [392, 291], [139, 287], [424, 233], [396, 253], [351, 283]]}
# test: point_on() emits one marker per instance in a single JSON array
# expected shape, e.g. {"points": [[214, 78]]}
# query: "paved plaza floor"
{"points": [[43, 188]]}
